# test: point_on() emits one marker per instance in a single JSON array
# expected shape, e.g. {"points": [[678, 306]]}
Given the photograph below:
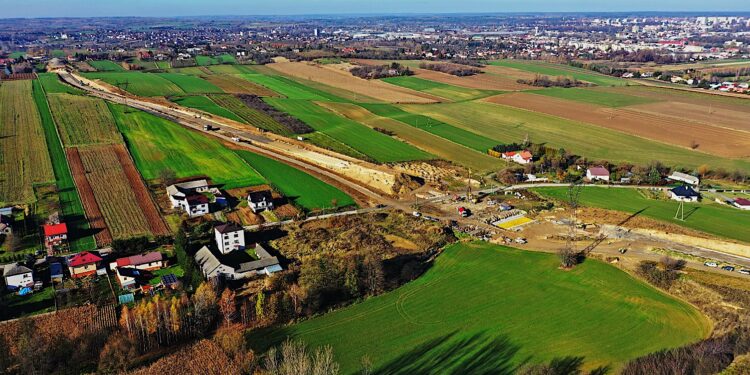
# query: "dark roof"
{"points": [[55, 269], [259, 196], [197, 199], [685, 191], [228, 228], [15, 269], [258, 264], [130, 272], [137, 260], [169, 279]]}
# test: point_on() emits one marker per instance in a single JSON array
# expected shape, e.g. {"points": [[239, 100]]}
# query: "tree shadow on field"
{"points": [[477, 354], [691, 212]]}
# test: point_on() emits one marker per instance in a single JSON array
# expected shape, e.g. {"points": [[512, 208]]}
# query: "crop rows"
{"points": [[83, 120], [24, 158], [93, 213], [113, 192], [252, 116]]}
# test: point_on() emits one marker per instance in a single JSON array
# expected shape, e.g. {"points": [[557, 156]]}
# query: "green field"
{"points": [[297, 186], [157, 144], [443, 90], [163, 64], [250, 115], [141, 84], [711, 218], [555, 70], [83, 120], [289, 88], [190, 84], [70, 203], [53, 85], [378, 146], [593, 96], [206, 60], [205, 104], [508, 124], [486, 309], [463, 137], [106, 66]]}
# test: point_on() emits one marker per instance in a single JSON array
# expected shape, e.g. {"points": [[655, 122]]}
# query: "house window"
{"points": [[226, 243]]}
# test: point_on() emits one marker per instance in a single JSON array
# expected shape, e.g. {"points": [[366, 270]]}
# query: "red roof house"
{"points": [[55, 236], [597, 173], [742, 203], [150, 261], [83, 264]]}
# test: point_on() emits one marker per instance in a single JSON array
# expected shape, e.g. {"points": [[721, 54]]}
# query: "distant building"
{"points": [[260, 200], [684, 194], [597, 173], [83, 264], [520, 157], [742, 203], [229, 237], [187, 197], [17, 276], [684, 177]]}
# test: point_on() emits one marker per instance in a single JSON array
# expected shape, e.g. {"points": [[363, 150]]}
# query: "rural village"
{"points": [[246, 195]]}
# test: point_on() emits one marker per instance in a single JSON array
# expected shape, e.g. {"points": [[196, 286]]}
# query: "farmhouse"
{"points": [[684, 194], [212, 266], [130, 277], [520, 157], [55, 236], [229, 237], [187, 197], [597, 173], [260, 200], [684, 177], [17, 276], [149, 262], [83, 264], [742, 203]]}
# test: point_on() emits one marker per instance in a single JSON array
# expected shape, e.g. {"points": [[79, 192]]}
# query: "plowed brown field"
{"points": [[337, 75], [731, 119], [671, 130], [93, 213]]}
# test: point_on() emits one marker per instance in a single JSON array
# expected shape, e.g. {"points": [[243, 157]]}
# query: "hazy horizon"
{"points": [[177, 8]]}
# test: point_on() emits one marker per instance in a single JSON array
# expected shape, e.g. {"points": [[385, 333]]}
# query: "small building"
{"points": [[150, 262], [188, 197], [597, 173], [520, 157], [130, 277], [229, 237], [684, 177], [742, 203], [17, 276], [684, 194], [55, 236], [56, 272], [260, 200], [83, 264], [212, 268]]}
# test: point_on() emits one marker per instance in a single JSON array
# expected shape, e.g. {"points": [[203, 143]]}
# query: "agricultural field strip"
{"points": [[709, 218], [83, 120], [113, 192], [360, 137], [70, 203], [102, 236], [250, 115], [441, 147], [450, 92], [106, 66], [593, 96], [488, 296], [52, 85], [559, 70], [141, 84], [711, 140], [511, 124], [190, 84], [24, 157], [203, 103]]}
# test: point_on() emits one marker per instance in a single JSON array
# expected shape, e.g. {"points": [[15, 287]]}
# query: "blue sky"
{"points": [[85, 8]]}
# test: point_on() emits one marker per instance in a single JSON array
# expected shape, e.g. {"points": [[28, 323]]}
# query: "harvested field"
{"points": [[560, 70], [93, 212], [113, 192], [510, 124], [252, 116], [24, 157], [508, 73], [443, 90], [700, 99], [83, 66], [671, 130], [236, 85], [83, 120], [444, 148], [337, 75], [725, 118], [203, 103]]}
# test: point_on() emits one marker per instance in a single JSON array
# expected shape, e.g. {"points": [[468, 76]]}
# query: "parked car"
{"points": [[710, 264], [728, 268], [521, 240], [744, 271], [416, 214]]}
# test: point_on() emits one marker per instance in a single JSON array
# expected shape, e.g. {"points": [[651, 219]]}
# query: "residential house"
{"points": [[188, 197], [684, 177], [150, 262], [260, 200], [212, 267], [597, 173], [55, 236], [742, 203], [684, 194], [520, 157], [229, 237], [83, 264], [17, 276], [131, 278]]}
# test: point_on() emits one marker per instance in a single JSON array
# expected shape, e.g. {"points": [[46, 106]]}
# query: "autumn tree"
{"points": [[293, 358], [116, 354], [204, 305], [227, 305], [374, 279]]}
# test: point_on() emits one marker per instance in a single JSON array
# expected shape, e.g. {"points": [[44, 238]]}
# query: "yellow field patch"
{"points": [[510, 224]]}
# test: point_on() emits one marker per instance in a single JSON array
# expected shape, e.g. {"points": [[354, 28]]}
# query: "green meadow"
{"points": [[191, 84], [106, 66], [559, 70], [443, 90], [137, 83], [205, 104], [593, 96]]}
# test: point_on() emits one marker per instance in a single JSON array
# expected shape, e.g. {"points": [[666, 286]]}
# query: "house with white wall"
{"points": [[17, 276], [229, 237]]}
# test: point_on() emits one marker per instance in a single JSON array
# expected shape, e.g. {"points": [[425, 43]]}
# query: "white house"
{"points": [[17, 276], [520, 157], [187, 197], [229, 237], [150, 262], [683, 177], [597, 173], [684, 194], [212, 267], [260, 200]]}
